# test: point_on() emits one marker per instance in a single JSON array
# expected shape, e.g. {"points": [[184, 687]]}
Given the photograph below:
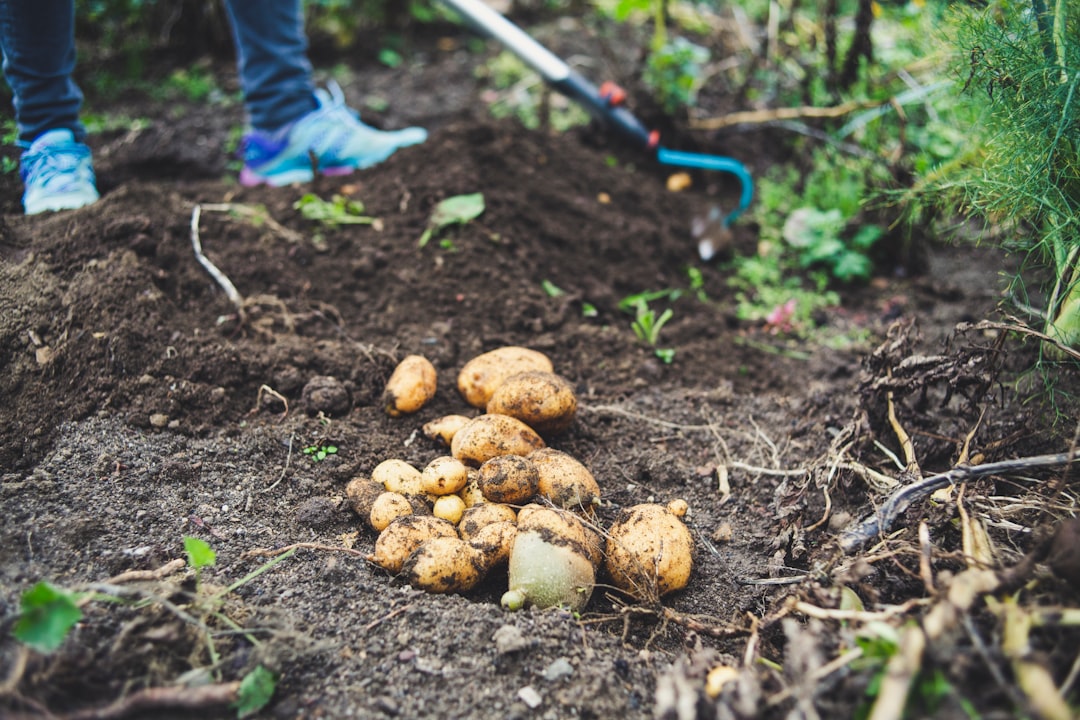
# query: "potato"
{"points": [[361, 492], [450, 508], [471, 492], [410, 387], [495, 541], [403, 536], [649, 552], [444, 475], [476, 517], [544, 401], [388, 507], [481, 376], [549, 565], [443, 428], [564, 480], [508, 479], [444, 565], [488, 436], [398, 476]]}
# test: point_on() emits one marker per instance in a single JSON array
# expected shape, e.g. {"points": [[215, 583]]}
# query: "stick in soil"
{"points": [[160, 698], [221, 278]]}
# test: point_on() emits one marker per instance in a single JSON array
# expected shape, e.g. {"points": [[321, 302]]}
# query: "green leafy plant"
{"points": [[674, 72], [647, 325], [456, 210], [256, 690], [47, 614], [339, 210], [320, 452], [551, 289]]}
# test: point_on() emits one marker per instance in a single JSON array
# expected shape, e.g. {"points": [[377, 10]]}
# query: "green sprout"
{"points": [[647, 323], [46, 615], [551, 289], [339, 210], [320, 452], [456, 210]]}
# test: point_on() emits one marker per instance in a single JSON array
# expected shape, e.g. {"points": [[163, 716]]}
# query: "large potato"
{"points": [[398, 476], [544, 401], [481, 376], [549, 564], [649, 552], [488, 436], [401, 537], [564, 480], [508, 479], [410, 387], [445, 565]]}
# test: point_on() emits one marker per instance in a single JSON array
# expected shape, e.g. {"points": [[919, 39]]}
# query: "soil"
{"points": [[140, 407]]}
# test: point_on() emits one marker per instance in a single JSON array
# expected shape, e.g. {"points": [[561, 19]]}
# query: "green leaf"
{"points": [[666, 355], [199, 553], [256, 689], [455, 210], [339, 210], [552, 289], [589, 310], [48, 613]]}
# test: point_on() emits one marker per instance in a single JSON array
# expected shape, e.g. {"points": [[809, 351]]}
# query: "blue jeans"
{"points": [[38, 42]]}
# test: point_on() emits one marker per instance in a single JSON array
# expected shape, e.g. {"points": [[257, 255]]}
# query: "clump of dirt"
{"points": [[141, 406]]}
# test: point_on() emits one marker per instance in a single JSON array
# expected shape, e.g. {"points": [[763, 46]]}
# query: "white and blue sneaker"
{"points": [[329, 140], [57, 173]]}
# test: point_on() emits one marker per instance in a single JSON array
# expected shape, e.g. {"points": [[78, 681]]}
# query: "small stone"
{"points": [[558, 669], [530, 697], [509, 639], [723, 533], [326, 394], [43, 355], [159, 420]]}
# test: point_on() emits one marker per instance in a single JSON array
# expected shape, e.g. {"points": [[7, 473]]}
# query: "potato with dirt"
{"points": [[508, 479], [649, 552], [549, 563], [445, 565], [398, 476], [544, 401], [495, 541], [444, 475], [443, 428], [402, 536], [478, 516], [411, 386], [488, 436], [481, 376], [388, 506], [565, 480], [361, 493]]}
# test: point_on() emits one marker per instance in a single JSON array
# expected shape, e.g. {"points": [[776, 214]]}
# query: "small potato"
{"points": [[549, 564], [401, 537], [443, 428], [444, 475], [544, 401], [649, 552], [564, 480], [471, 493], [449, 508], [410, 387], [481, 376], [444, 565], [495, 542], [476, 517], [361, 492], [488, 436], [508, 479], [398, 476], [389, 506]]}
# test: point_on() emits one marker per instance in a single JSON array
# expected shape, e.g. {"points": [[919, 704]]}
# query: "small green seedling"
{"points": [[647, 323], [666, 355], [256, 689], [46, 615], [551, 289], [589, 310], [456, 210], [319, 453], [199, 553], [339, 210]]}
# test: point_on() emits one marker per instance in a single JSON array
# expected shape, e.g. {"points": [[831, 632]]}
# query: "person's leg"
{"points": [[37, 38], [296, 130]]}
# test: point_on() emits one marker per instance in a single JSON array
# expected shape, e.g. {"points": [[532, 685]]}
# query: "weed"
{"points": [[551, 289], [320, 452], [46, 615], [339, 210], [455, 210]]}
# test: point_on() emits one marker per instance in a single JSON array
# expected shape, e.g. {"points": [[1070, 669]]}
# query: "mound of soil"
{"points": [[142, 406]]}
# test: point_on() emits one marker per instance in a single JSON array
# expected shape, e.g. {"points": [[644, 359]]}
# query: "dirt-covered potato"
{"points": [[564, 480], [388, 506], [481, 376], [401, 537], [488, 436], [445, 565], [649, 552], [410, 387], [450, 508], [444, 475], [398, 476], [361, 492], [549, 563], [495, 541], [476, 517], [544, 401], [471, 492], [443, 428], [508, 479]]}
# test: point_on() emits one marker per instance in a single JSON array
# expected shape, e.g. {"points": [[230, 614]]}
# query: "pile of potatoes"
{"points": [[502, 498]]}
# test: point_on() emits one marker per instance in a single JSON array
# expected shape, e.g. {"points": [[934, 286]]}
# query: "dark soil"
{"points": [[139, 408]]}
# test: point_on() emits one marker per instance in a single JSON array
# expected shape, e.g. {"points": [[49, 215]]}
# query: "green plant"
{"points": [[674, 72], [339, 210], [455, 210], [551, 289], [46, 614], [320, 452]]}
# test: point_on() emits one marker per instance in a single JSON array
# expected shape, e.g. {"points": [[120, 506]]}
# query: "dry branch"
{"points": [[160, 698]]}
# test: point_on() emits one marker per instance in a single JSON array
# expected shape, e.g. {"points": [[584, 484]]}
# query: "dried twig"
{"points": [[139, 575], [160, 698], [221, 278], [266, 552], [759, 117]]}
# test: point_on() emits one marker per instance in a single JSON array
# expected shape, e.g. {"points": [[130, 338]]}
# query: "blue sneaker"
{"points": [[329, 140], [57, 173]]}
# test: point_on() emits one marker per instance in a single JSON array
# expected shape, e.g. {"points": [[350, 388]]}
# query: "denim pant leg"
{"points": [[271, 51], [38, 42]]}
